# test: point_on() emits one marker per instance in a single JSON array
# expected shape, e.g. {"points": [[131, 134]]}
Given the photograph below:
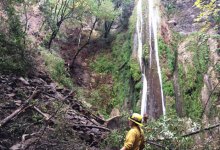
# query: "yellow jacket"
{"points": [[134, 139]]}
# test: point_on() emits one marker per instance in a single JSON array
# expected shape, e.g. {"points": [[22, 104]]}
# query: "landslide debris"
{"points": [[45, 116]]}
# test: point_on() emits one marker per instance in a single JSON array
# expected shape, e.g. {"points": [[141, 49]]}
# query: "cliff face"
{"points": [[196, 73], [181, 15]]}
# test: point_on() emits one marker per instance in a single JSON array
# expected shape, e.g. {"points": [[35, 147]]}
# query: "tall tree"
{"points": [[13, 54], [58, 11], [100, 11]]}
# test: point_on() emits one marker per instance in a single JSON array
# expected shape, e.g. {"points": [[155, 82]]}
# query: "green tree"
{"points": [[100, 11], [56, 12], [13, 54], [210, 12]]}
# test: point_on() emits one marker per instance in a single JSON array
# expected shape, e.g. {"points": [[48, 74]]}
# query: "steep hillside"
{"points": [[72, 71]]}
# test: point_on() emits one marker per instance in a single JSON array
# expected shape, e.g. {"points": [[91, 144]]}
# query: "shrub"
{"points": [[14, 57], [56, 68], [114, 140], [135, 70], [102, 64]]}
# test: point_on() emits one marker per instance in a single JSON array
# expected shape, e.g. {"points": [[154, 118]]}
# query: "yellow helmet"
{"points": [[136, 118]]}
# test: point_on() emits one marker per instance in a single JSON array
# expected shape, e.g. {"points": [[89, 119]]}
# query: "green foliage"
{"points": [[114, 140], [56, 68], [127, 77], [170, 130], [102, 96], [176, 39], [191, 84], [13, 54], [135, 69], [217, 67], [209, 12], [191, 76], [132, 22], [170, 7], [198, 45], [103, 10], [218, 51], [214, 110], [168, 55], [102, 64], [168, 52], [168, 88], [124, 70], [57, 12], [146, 52], [37, 118]]}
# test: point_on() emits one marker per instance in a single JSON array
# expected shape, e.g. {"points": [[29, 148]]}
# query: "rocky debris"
{"points": [[50, 108]]}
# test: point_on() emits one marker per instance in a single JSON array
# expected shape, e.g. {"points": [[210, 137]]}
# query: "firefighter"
{"points": [[135, 137]]}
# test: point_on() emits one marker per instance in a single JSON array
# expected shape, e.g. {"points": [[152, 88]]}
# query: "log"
{"points": [[206, 104], [53, 115], [17, 111], [23, 144], [46, 116], [155, 144], [91, 126], [205, 129], [192, 133]]}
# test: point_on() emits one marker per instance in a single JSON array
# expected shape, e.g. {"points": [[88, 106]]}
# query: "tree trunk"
{"points": [[81, 48], [52, 37], [177, 91], [54, 34], [107, 27]]}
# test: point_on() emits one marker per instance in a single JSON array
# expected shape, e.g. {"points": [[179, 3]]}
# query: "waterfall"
{"points": [[139, 31], [154, 20], [139, 27], [153, 58]]}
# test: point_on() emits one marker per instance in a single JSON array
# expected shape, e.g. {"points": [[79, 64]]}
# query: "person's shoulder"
{"points": [[134, 130]]}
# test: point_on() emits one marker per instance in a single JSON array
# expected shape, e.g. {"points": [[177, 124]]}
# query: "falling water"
{"points": [[139, 31], [144, 96], [139, 26], [154, 20], [153, 46]]}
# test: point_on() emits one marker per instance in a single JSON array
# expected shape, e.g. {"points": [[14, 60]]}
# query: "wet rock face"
{"points": [[182, 15]]}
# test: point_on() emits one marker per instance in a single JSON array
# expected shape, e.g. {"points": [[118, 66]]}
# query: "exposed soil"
{"points": [[81, 71], [67, 46]]}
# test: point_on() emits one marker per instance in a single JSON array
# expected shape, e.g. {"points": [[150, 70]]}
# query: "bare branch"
{"points": [[79, 50], [20, 109], [46, 116], [201, 130], [203, 111]]}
